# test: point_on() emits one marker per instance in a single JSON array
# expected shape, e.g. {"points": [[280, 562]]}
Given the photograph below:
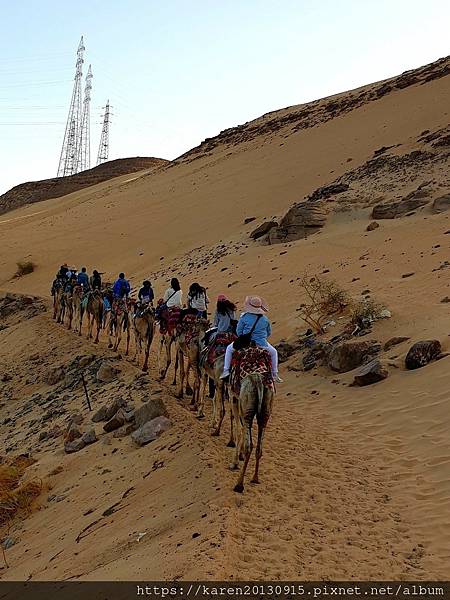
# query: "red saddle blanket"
{"points": [[250, 360], [188, 327], [218, 347], [169, 320]]}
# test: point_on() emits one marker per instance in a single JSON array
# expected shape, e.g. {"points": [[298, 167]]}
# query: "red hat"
{"points": [[221, 298]]}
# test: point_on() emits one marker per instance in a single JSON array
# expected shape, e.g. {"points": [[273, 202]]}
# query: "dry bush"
{"points": [[24, 267], [365, 312], [324, 297], [14, 496]]}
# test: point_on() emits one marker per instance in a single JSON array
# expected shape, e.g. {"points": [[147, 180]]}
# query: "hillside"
{"points": [[37, 191], [354, 480]]}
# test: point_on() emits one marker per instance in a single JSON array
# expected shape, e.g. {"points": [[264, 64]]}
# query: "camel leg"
{"points": [[177, 365], [197, 395], [189, 390], [110, 332], [261, 428], [89, 326], [218, 408], [247, 444], [99, 325], [234, 465], [128, 340], [180, 362], [147, 350]]}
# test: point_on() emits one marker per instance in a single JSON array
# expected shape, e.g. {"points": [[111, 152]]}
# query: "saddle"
{"points": [[216, 348], [247, 361]]}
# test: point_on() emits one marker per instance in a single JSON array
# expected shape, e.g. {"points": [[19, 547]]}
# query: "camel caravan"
{"points": [[228, 359]]}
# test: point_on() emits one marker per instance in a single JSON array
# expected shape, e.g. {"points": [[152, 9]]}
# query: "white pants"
{"points": [[272, 351]]}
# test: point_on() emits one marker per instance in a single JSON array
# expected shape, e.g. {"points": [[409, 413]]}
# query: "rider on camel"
{"points": [[121, 288], [173, 296], [146, 294], [96, 280], [254, 318], [197, 300], [83, 279]]}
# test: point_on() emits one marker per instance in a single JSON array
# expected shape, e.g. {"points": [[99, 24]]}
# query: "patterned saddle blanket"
{"points": [[250, 360], [168, 319], [217, 348]]}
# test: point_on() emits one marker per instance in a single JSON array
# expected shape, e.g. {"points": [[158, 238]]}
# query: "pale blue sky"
{"points": [[177, 71]]}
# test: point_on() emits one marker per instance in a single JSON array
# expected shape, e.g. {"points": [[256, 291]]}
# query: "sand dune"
{"points": [[355, 481]]}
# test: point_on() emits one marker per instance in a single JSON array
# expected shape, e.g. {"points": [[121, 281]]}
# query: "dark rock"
{"points": [[373, 225], [394, 341], [89, 437], [86, 360], [263, 229], [421, 353], [6, 377], [445, 300], [124, 431], [349, 355], [325, 192], [151, 430], [370, 373], [394, 210], [441, 204], [249, 220], [285, 350], [117, 421], [107, 411], [74, 446], [405, 275]]}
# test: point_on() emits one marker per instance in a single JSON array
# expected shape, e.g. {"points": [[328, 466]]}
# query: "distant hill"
{"points": [[37, 191]]}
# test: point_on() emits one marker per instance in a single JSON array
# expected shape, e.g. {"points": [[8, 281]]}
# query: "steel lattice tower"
{"points": [[70, 153], [84, 158], [103, 149]]}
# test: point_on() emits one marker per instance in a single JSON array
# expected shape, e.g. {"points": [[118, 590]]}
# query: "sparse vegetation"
{"points": [[15, 497], [366, 311], [324, 298], [24, 267]]}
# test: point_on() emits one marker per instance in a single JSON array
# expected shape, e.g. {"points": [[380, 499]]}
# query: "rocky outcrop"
{"points": [[150, 410], [107, 411], [372, 226], [327, 191], [393, 210], [422, 353], [441, 204], [55, 375], [372, 372], [263, 229], [301, 220], [352, 354]]}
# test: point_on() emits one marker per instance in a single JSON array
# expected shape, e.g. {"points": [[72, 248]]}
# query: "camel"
{"points": [[218, 402], [188, 347], [68, 307], [255, 400], [144, 329], [77, 307], [94, 311], [119, 321], [58, 301]]}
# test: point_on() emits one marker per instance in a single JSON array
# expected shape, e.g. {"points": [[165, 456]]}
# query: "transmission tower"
{"points": [[84, 151], [103, 149], [68, 161]]}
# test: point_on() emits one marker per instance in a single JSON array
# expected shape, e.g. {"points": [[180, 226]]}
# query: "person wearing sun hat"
{"points": [[254, 316]]}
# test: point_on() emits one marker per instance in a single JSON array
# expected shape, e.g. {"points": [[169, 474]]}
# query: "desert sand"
{"points": [[355, 481]]}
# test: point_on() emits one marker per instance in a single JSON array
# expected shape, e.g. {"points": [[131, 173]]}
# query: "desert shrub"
{"points": [[24, 267], [14, 496], [324, 297], [365, 311]]}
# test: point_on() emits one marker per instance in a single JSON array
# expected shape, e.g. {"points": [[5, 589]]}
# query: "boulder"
{"points": [[349, 355], [263, 229], [370, 373], [73, 432], [117, 421], [373, 225], [421, 353], [89, 437], [151, 430], [107, 372], [123, 431], [394, 341], [285, 350], [301, 220], [441, 204], [54, 375], [86, 360], [74, 446], [108, 410], [150, 410], [249, 220]]}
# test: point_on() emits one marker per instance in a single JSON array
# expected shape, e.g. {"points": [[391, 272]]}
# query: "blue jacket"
{"points": [[261, 332], [83, 280], [121, 288]]}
